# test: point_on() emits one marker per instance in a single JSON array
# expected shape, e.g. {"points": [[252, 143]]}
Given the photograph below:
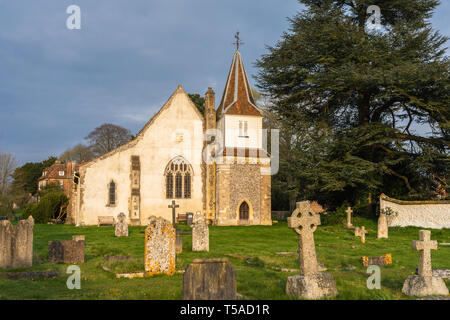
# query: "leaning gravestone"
{"points": [[159, 247], [361, 232], [379, 261], [424, 284], [310, 283], [200, 233], [121, 225], [16, 244], [382, 226], [209, 279], [66, 251]]}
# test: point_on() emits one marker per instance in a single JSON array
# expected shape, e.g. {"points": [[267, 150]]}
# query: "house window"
{"points": [[61, 173], [243, 129], [178, 177], [112, 193]]}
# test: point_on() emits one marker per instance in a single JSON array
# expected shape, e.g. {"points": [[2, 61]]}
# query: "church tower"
{"points": [[242, 174]]}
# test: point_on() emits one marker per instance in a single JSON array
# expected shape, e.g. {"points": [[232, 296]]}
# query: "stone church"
{"points": [[214, 163]]}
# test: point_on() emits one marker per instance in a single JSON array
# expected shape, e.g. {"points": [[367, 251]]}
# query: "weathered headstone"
{"points": [[121, 225], [209, 279], [349, 217], [310, 283], [189, 218], [424, 283], [361, 232], [66, 251], [178, 243], [379, 261], [79, 238], [200, 233], [16, 244], [159, 247], [382, 226]]}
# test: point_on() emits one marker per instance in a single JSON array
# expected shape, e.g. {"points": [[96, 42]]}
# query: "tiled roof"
{"points": [[54, 169], [237, 96]]}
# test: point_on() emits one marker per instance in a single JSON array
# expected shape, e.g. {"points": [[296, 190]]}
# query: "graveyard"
{"points": [[263, 258]]}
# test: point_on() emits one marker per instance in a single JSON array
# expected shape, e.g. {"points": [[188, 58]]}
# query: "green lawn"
{"points": [[336, 246]]}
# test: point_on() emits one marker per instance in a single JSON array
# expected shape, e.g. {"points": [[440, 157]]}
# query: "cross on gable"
{"points": [[424, 246], [303, 218]]}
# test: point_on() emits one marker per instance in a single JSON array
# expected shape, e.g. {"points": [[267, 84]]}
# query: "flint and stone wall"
{"points": [[425, 214]]}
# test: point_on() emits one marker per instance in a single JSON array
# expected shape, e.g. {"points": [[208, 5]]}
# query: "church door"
{"points": [[243, 211]]}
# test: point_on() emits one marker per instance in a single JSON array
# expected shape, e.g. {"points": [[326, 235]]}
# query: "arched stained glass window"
{"points": [[178, 179]]}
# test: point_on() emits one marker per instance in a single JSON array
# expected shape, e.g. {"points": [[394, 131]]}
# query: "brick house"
{"points": [[59, 173]]}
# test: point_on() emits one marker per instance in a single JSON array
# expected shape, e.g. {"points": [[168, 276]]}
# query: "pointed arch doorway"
{"points": [[244, 212]]}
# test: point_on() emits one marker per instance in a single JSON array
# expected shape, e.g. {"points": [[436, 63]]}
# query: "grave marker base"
{"points": [[419, 286], [311, 287]]}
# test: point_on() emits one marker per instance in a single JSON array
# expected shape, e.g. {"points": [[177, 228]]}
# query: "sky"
{"points": [[57, 85]]}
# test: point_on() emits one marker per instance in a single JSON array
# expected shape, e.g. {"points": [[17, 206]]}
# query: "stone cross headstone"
{"points": [[209, 279], [382, 227], [16, 244], [159, 247], [349, 217], [200, 233], [311, 283], [424, 283], [424, 246], [361, 232], [173, 206], [121, 225]]}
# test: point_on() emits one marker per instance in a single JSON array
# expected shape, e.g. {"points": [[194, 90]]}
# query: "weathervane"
{"points": [[238, 41]]}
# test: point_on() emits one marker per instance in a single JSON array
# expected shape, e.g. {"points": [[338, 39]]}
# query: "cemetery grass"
{"points": [[251, 250]]}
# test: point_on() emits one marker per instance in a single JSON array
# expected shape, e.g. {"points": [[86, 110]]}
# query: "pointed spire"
{"points": [[237, 96]]}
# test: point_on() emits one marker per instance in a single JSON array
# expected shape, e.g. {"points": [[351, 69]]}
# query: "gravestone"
{"points": [[200, 233], [121, 226], [349, 217], [79, 238], [209, 279], [361, 232], [382, 226], [178, 243], [159, 247], [16, 244], [189, 218], [66, 251], [310, 283], [424, 283], [379, 261]]}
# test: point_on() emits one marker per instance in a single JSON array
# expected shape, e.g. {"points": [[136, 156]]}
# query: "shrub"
{"points": [[49, 207], [335, 218]]}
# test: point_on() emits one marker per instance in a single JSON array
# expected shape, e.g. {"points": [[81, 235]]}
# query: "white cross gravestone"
{"points": [[424, 283], [349, 217], [310, 283], [361, 232]]}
